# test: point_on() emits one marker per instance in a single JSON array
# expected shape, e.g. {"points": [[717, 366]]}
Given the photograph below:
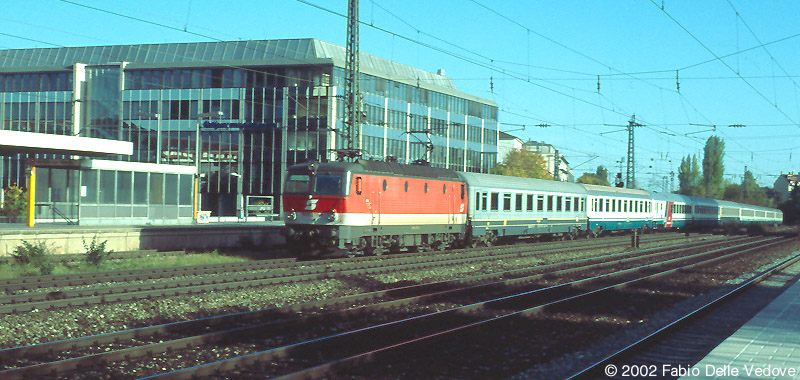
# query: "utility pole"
{"points": [[556, 165], [630, 174], [671, 181], [352, 104]]}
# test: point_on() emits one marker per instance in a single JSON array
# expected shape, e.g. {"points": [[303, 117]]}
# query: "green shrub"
{"points": [[96, 252], [35, 256], [15, 203]]}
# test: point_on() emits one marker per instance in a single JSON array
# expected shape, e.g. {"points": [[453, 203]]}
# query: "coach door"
{"points": [[451, 200], [668, 221], [376, 198]]}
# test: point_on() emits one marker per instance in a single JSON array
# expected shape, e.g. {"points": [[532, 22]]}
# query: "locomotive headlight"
{"points": [[291, 216]]}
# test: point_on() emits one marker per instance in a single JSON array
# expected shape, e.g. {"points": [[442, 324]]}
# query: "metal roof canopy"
{"points": [[305, 51], [13, 142]]}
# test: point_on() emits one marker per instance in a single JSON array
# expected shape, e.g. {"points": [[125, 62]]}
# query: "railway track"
{"points": [[501, 293], [636, 353], [49, 292]]}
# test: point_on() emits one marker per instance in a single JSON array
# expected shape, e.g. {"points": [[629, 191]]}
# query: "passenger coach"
{"points": [[505, 206], [612, 208]]}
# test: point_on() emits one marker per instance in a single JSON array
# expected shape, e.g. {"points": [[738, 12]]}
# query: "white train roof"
{"points": [[519, 183], [616, 191]]}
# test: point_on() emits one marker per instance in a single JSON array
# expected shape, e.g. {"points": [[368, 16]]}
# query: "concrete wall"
{"points": [[162, 238]]}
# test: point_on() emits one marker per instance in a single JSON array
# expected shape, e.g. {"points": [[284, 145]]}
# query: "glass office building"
{"points": [[280, 102]]}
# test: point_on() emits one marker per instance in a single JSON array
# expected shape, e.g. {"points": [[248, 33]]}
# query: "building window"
{"points": [[140, 183], [107, 186], [156, 188], [124, 187]]}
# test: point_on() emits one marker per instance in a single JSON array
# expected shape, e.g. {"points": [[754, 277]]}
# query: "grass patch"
{"points": [[12, 270]]}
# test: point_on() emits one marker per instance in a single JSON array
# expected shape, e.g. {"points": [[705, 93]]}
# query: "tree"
{"points": [[523, 163], [732, 192], [600, 177], [791, 208], [713, 167], [689, 180], [751, 192]]}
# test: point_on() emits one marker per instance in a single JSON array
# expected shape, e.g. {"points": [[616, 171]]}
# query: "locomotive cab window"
{"points": [[328, 184], [298, 183]]}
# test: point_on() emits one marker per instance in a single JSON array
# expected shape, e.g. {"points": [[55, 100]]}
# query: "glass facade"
{"points": [[273, 116]]}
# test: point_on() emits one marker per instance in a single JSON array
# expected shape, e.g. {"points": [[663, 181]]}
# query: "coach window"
{"points": [[406, 186], [385, 185], [506, 202], [583, 204], [495, 200], [426, 188], [627, 205], [444, 189], [530, 202], [567, 204], [540, 203], [478, 201], [575, 204], [549, 203], [358, 185], [484, 201], [518, 205], [463, 191]]}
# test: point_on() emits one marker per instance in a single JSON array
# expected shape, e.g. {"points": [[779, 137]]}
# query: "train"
{"points": [[369, 207]]}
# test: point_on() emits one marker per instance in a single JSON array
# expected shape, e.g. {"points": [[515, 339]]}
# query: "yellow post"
{"points": [[196, 194], [31, 195]]}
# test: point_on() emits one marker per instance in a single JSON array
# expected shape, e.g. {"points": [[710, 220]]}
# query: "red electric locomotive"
{"points": [[371, 207]]}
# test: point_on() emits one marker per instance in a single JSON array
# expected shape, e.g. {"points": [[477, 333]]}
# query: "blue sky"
{"points": [[736, 63]]}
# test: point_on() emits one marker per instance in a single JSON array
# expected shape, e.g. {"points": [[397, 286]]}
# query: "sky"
{"points": [[686, 69]]}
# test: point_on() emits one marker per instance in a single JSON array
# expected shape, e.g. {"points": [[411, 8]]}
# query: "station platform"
{"points": [[71, 238], [766, 347]]}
